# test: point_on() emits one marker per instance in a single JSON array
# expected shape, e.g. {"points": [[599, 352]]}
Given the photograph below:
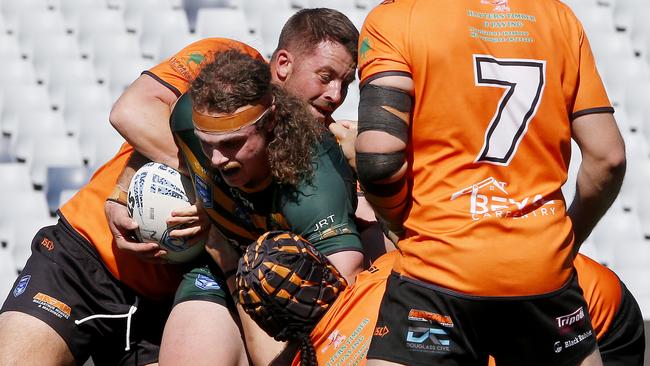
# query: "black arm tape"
{"points": [[373, 167], [384, 189], [374, 115]]}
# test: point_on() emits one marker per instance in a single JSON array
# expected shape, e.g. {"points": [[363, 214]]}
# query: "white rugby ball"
{"points": [[155, 191]]}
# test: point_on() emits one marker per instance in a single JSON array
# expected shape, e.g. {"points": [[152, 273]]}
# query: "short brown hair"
{"points": [[234, 80], [309, 27]]}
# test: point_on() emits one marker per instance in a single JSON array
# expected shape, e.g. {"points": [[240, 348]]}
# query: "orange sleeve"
{"points": [[178, 71], [382, 40], [591, 96]]}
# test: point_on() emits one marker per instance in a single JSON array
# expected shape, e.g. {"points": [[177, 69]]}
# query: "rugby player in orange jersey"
{"points": [[466, 115], [315, 60], [342, 328], [77, 294]]}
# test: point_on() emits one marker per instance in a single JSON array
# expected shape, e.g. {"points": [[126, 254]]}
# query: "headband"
{"points": [[232, 122]]}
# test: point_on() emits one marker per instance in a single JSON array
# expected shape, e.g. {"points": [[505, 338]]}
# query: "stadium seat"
{"points": [[15, 178], [632, 255], [98, 140], [95, 22], [172, 43], [258, 12], [222, 22], [24, 204], [135, 10], [22, 97], [271, 28], [614, 228], [16, 71], [122, 71], [50, 48], [192, 7], [340, 5], [9, 48], [66, 194], [33, 125], [159, 25], [24, 232], [53, 151], [65, 72], [38, 24], [107, 47], [79, 100], [63, 178], [73, 10], [11, 10], [8, 272]]}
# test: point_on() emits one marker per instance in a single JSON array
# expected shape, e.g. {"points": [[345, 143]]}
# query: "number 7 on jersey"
{"points": [[523, 81]]}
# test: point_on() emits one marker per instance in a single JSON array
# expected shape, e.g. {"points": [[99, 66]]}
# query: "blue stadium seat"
{"points": [[61, 178]]}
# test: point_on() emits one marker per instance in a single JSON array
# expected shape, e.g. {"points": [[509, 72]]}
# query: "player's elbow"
{"points": [[348, 263]]}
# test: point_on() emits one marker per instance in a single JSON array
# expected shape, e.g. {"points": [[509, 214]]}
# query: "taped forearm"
{"points": [[380, 166]]}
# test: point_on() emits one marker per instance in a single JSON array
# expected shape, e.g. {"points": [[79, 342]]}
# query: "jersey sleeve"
{"points": [[323, 211], [178, 71], [591, 96], [383, 40]]}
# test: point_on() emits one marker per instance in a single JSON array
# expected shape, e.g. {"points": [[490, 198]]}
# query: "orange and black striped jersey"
{"points": [[85, 211], [178, 71], [496, 86]]}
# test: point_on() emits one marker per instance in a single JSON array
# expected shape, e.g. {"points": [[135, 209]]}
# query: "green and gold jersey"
{"points": [[321, 210]]}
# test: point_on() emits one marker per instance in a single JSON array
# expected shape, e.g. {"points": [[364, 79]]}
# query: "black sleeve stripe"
{"points": [[382, 74], [163, 82], [592, 111]]}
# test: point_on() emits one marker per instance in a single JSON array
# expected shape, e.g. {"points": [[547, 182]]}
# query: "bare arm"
{"points": [[141, 116], [349, 264], [601, 172]]}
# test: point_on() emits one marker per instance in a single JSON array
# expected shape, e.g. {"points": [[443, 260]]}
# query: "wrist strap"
{"points": [[118, 196]]}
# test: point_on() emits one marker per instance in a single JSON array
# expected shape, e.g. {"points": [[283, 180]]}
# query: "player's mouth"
{"points": [[321, 112], [231, 169]]}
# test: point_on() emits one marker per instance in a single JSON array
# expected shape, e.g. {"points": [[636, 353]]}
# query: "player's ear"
{"points": [[283, 63]]}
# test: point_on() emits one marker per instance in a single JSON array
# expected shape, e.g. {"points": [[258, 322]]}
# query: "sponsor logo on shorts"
{"points": [[48, 244], [206, 283], [22, 285], [565, 322], [52, 305], [381, 331], [426, 316], [427, 339], [559, 346]]}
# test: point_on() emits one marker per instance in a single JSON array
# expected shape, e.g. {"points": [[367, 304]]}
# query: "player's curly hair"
{"points": [[234, 79], [286, 286]]}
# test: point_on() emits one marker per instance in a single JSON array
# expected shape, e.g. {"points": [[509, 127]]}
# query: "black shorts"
{"points": [[64, 281], [422, 324], [624, 342]]}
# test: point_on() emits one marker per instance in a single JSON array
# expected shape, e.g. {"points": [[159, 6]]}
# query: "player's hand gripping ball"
{"points": [[155, 191]]}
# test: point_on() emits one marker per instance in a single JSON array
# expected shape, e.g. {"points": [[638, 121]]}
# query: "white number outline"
{"points": [[511, 89]]}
